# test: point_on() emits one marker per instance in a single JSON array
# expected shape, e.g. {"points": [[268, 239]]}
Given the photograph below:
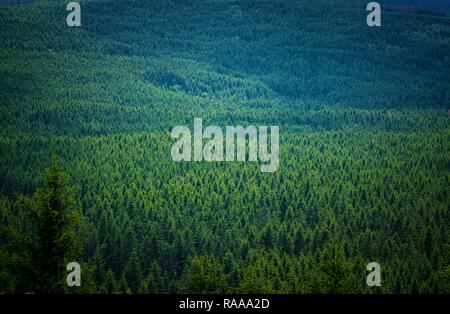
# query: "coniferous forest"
{"points": [[86, 173]]}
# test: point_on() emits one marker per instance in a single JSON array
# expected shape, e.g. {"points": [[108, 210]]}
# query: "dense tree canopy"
{"points": [[364, 147]]}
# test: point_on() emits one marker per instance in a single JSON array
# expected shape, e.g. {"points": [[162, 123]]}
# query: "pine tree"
{"points": [[334, 269], [205, 275], [111, 284], [45, 238], [133, 272]]}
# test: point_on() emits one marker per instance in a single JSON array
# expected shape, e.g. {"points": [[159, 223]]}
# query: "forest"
{"points": [[86, 116]]}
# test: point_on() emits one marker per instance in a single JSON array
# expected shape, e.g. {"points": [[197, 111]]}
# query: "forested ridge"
{"points": [[364, 144]]}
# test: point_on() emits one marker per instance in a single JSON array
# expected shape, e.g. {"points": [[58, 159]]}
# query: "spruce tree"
{"points": [[44, 237]]}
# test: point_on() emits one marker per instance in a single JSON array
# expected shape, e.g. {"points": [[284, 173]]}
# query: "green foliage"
{"points": [[205, 275], [334, 270], [42, 237], [364, 126]]}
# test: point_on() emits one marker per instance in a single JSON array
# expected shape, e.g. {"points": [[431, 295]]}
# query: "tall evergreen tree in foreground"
{"points": [[41, 237]]}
